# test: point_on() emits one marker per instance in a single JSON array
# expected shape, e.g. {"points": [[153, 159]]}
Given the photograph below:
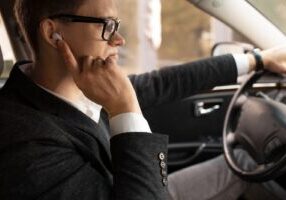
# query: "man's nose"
{"points": [[117, 40]]}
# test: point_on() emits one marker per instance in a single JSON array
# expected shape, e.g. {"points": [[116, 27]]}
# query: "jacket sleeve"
{"points": [[177, 82], [139, 164], [47, 170]]}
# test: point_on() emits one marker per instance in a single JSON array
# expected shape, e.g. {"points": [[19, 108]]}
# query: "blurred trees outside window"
{"points": [[185, 33]]}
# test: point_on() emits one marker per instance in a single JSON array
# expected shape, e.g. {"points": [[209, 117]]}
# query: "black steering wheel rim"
{"points": [[262, 172]]}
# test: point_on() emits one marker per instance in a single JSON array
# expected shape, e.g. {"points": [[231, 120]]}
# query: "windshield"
{"points": [[274, 10]]}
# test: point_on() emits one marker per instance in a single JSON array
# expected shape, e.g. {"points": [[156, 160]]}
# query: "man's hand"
{"points": [[274, 59], [101, 81]]}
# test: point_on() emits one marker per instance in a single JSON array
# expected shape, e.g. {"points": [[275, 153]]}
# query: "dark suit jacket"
{"points": [[50, 150]]}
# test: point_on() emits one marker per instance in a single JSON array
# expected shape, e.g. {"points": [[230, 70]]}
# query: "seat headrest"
{"points": [[1, 62]]}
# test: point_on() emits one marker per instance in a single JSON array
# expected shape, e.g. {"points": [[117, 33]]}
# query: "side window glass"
{"points": [[186, 33], [6, 48], [161, 33]]}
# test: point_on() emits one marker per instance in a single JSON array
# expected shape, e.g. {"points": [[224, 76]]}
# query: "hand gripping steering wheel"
{"points": [[257, 125]]}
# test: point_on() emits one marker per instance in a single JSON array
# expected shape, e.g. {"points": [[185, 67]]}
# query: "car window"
{"points": [[8, 55], [187, 34], [274, 10]]}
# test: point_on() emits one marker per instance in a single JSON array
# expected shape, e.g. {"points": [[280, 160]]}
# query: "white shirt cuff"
{"points": [[242, 63], [128, 122]]}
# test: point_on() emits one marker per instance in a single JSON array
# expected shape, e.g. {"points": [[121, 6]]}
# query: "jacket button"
{"points": [[164, 173], [161, 156], [163, 164], [165, 181]]}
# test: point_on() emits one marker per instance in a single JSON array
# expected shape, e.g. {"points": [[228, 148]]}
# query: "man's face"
{"points": [[85, 39]]}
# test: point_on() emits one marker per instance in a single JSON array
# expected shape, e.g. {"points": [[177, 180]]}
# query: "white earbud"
{"points": [[57, 36]]}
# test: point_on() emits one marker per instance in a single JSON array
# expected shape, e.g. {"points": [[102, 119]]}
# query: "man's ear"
{"points": [[48, 28]]}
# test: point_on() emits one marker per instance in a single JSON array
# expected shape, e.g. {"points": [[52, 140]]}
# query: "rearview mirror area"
{"points": [[223, 48]]}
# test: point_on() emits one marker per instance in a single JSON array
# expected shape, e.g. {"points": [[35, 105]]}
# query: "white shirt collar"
{"points": [[83, 104]]}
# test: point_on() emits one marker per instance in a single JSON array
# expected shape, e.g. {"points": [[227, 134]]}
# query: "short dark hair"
{"points": [[29, 14]]}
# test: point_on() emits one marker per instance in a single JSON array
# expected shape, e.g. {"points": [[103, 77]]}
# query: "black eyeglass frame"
{"points": [[86, 19]]}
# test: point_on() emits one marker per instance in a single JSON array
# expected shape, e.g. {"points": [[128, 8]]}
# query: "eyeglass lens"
{"points": [[109, 29]]}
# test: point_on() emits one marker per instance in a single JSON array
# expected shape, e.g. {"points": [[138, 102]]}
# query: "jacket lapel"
{"points": [[41, 100]]}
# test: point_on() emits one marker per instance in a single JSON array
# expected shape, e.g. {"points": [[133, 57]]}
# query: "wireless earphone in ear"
{"points": [[57, 36]]}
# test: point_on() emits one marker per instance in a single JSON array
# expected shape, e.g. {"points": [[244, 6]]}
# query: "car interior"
{"points": [[201, 126]]}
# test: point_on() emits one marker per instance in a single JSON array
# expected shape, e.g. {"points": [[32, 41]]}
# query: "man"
{"points": [[52, 145], [60, 114]]}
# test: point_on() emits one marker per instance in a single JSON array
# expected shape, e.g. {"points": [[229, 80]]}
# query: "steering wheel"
{"points": [[256, 124]]}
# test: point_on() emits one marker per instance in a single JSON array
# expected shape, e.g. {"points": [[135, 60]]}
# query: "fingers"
{"points": [[282, 68], [86, 64], [99, 62], [68, 56], [110, 60], [90, 64]]}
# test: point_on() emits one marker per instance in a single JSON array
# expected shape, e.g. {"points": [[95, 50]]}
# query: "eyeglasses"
{"points": [[110, 25]]}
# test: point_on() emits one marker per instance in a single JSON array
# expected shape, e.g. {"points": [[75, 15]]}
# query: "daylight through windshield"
{"points": [[274, 10]]}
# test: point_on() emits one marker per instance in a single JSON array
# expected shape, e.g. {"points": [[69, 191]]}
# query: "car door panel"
{"points": [[181, 155], [194, 126]]}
